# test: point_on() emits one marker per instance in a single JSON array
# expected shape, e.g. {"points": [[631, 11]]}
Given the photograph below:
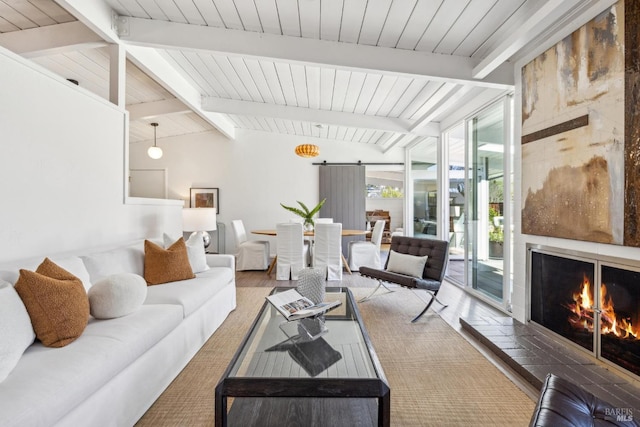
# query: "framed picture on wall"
{"points": [[205, 198]]}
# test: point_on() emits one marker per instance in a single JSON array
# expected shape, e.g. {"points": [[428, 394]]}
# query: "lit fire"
{"points": [[583, 310]]}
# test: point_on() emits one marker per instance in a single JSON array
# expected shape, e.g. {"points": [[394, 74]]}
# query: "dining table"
{"points": [[311, 233]]}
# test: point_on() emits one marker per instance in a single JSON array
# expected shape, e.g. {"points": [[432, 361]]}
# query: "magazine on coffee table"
{"points": [[293, 306]]}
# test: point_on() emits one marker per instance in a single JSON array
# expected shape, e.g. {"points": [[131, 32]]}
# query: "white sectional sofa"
{"points": [[118, 367]]}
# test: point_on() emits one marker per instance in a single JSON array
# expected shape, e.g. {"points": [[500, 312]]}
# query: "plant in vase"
{"points": [[306, 213], [496, 235]]}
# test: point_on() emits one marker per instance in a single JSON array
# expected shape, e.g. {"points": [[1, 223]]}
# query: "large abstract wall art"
{"points": [[573, 127]]}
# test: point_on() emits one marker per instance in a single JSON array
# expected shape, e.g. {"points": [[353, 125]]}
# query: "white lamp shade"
{"points": [[154, 152], [199, 219]]}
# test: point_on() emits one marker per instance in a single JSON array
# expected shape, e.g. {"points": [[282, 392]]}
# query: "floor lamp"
{"points": [[199, 220]]}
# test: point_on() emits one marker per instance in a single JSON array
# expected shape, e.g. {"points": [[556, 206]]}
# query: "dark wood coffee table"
{"points": [[283, 374]]}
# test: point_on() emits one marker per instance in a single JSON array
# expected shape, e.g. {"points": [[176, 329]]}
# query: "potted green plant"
{"points": [[496, 236], [306, 213]]}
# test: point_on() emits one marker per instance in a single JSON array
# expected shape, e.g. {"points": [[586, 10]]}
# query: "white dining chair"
{"points": [[250, 254], [323, 220], [291, 254], [363, 253], [327, 249]]}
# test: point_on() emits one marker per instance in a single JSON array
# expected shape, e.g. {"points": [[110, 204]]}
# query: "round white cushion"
{"points": [[117, 295], [16, 332]]}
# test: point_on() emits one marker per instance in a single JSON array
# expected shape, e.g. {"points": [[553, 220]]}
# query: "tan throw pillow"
{"points": [[166, 265], [56, 301]]}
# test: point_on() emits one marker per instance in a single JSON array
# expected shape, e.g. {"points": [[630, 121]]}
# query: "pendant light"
{"points": [[307, 150], [154, 152]]}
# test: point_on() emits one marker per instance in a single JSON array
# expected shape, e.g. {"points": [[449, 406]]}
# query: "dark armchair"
{"points": [[432, 275]]}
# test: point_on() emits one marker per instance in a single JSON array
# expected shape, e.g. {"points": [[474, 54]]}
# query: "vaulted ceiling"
{"points": [[382, 72]]}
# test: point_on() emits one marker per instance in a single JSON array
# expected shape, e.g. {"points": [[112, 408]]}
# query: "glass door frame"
{"points": [[443, 193]]}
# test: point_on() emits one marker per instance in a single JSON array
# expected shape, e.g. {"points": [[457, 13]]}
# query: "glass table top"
{"points": [[328, 346]]}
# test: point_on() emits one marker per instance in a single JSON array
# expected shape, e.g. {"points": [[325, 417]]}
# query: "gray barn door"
{"points": [[345, 190]]}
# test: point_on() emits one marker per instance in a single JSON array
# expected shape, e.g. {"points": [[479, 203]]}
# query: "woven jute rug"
{"points": [[436, 377]]}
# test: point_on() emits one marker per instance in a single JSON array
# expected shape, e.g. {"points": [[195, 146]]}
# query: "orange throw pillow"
{"points": [[166, 265], [56, 301]]}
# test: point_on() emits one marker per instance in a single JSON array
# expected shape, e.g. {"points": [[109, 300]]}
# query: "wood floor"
{"points": [[459, 304]]}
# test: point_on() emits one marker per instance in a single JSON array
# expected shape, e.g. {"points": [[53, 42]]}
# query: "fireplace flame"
{"points": [[583, 313]]}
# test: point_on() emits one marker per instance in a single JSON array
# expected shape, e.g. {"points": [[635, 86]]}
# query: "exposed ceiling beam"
{"points": [[538, 22], [439, 107], [172, 35], [149, 110], [154, 65], [327, 117], [52, 39], [99, 17]]}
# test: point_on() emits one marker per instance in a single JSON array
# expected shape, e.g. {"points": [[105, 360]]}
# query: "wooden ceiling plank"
{"points": [[248, 15], [33, 13], [395, 94], [447, 15], [475, 12], [396, 22], [353, 91], [373, 22], [169, 35], [15, 17], [435, 98], [6, 26], [327, 84], [313, 86], [209, 13], [411, 105], [229, 14], [51, 40], [418, 22], [232, 76], [290, 127], [298, 74], [352, 18], [53, 10], [487, 27], [287, 17], [171, 11], [310, 20], [358, 135], [268, 14], [241, 70], [130, 9], [153, 10], [257, 75], [340, 89], [442, 106], [369, 87], [286, 83], [331, 19], [381, 94], [340, 133], [199, 72], [271, 76], [332, 132], [191, 13]]}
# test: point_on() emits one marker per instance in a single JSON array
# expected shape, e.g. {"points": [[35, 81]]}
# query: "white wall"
{"points": [[255, 173], [61, 168]]}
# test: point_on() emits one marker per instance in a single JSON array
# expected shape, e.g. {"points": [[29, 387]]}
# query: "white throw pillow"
{"points": [[117, 295], [195, 251], [410, 265], [16, 332]]}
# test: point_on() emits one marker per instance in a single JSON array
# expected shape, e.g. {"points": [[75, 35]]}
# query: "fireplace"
{"points": [[591, 301]]}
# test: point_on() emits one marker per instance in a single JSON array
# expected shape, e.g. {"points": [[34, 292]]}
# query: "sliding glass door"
{"points": [[488, 134]]}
